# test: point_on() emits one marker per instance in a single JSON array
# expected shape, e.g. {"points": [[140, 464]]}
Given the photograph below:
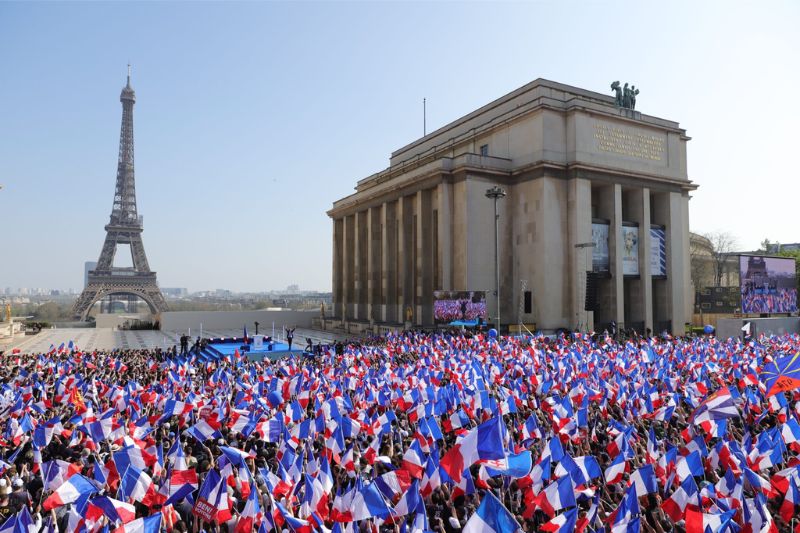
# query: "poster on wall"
{"points": [[658, 252], [630, 251], [600, 250]]}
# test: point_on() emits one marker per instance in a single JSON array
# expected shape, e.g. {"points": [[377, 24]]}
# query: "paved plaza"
{"points": [[109, 338]]}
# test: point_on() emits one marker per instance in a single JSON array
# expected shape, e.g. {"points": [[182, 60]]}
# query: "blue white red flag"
{"points": [[483, 442], [491, 517]]}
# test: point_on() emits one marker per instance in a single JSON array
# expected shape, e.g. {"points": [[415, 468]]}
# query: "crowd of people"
{"points": [[773, 301], [411, 432]]}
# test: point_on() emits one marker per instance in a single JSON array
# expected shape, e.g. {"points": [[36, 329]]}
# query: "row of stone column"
{"points": [[387, 260], [649, 301]]}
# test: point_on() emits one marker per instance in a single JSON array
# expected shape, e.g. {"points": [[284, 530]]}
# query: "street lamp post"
{"points": [[495, 193], [584, 246]]}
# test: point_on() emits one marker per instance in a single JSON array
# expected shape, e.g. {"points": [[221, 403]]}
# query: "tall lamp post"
{"points": [[495, 193], [584, 246]]}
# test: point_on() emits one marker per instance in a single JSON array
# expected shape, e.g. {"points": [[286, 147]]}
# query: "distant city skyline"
{"points": [[171, 291], [251, 118]]}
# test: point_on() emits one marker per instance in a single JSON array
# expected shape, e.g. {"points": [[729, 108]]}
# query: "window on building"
{"points": [[484, 150]]}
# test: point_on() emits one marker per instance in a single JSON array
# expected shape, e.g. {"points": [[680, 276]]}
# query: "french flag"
{"points": [[558, 495], [432, 478], [371, 453], [250, 515], [414, 460], [115, 510], [150, 524], [615, 472], [491, 517], [409, 501], [283, 516], [699, 522], [563, 523], [483, 442], [316, 499], [689, 466], [369, 503], [348, 463], [790, 502], [790, 431], [394, 483], [75, 487], [687, 494], [644, 479], [581, 469], [136, 484], [202, 431], [182, 480]]}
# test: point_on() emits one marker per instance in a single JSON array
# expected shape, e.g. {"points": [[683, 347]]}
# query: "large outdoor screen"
{"points": [[459, 306], [768, 284]]}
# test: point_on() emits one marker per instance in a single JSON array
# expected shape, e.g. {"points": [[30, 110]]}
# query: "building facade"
{"points": [[591, 186]]}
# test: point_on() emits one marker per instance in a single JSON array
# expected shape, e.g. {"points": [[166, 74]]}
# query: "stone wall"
{"points": [[180, 321]]}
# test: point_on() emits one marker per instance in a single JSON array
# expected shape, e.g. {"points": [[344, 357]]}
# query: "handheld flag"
{"points": [[491, 517]]}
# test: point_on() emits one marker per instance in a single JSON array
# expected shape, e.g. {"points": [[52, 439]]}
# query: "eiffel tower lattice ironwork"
{"points": [[125, 227]]}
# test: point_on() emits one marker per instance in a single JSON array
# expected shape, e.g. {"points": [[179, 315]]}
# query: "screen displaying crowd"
{"points": [[411, 432], [452, 306], [768, 284]]}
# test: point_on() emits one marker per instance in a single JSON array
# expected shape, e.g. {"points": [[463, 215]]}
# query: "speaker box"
{"points": [[528, 303], [590, 303]]}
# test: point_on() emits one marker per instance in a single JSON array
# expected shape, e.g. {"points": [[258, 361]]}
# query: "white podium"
{"points": [[258, 342]]}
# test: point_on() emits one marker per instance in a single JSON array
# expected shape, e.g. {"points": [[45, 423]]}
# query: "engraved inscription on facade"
{"points": [[626, 142]]}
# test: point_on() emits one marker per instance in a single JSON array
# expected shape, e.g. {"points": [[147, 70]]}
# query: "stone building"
{"points": [[577, 169]]}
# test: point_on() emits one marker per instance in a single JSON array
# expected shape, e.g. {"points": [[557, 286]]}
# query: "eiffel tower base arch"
{"points": [[94, 292]]}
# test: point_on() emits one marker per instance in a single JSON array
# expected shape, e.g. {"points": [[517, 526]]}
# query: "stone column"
{"points": [[645, 244], [424, 267], [374, 284], [677, 256], [361, 265], [616, 249], [405, 212], [579, 228], [337, 309], [388, 262], [637, 209], [348, 267], [445, 202]]}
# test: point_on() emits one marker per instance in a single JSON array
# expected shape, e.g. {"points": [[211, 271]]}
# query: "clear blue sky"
{"points": [[251, 118]]}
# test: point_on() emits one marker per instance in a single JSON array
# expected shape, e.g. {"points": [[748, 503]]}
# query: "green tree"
{"points": [[796, 255], [48, 311]]}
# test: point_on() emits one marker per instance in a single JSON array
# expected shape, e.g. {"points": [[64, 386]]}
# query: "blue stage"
{"points": [[229, 347], [464, 323]]}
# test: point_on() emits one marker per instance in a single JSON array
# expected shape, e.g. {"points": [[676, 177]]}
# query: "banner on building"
{"points": [[658, 252], [630, 251], [600, 251]]}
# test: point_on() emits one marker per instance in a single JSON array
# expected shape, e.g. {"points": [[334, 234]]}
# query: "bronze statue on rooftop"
{"points": [[623, 96]]}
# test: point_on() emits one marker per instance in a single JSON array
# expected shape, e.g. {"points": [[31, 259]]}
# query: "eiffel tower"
{"points": [[125, 227]]}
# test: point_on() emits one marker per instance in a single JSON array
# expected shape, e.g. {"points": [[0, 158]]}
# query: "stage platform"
{"points": [[465, 323], [279, 349]]}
